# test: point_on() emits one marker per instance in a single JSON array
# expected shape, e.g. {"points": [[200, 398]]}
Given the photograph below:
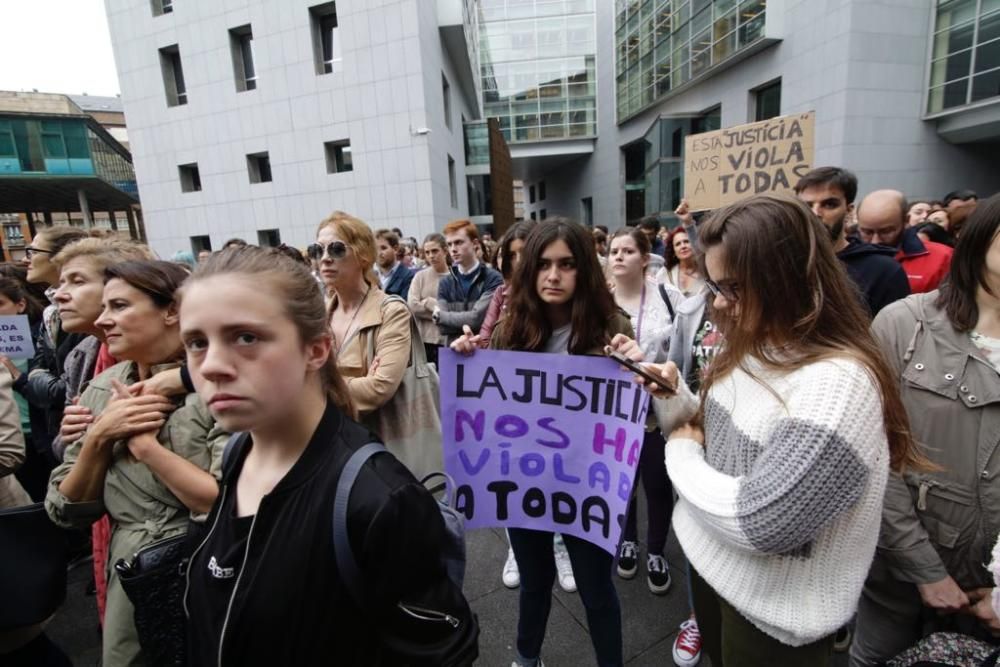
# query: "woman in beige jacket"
{"points": [[371, 331]]}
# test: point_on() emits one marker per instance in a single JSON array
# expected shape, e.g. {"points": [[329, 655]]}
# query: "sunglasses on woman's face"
{"points": [[336, 250], [730, 291]]}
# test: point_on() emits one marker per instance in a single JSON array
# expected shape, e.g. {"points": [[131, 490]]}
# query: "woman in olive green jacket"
{"points": [[149, 462], [939, 525]]}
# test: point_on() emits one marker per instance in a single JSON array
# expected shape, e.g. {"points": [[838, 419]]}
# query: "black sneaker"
{"points": [[628, 560], [657, 574]]}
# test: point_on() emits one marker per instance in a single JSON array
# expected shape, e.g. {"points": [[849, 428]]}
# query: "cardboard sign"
{"points": [[542, 441], [724, 166], [15, 337]]}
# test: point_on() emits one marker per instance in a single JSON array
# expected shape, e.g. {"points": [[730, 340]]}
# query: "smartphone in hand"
{"points": [[640, 370]]}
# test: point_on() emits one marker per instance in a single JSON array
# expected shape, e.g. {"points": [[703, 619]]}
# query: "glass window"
{"points": [[767, 101], [338, 156], [988, 56], [986, 85], [326, 38], [965, 43]]}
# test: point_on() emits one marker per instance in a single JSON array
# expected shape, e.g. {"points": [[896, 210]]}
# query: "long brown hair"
{"points": [[796, 311], [526, 326], [293, 285], [968, 266]]}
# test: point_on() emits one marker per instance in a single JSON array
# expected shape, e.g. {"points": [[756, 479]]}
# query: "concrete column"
{"points": [[111, 219], [88, 221], [132, 231]]}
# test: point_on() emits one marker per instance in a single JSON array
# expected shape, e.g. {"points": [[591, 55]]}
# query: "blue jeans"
{"points": [[592, 570]]}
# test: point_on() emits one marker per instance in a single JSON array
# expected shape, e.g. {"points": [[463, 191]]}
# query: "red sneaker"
{"points": [[687, 645]]}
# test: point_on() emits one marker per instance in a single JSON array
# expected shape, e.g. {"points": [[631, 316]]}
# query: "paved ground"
{"points": [[649, 622]]}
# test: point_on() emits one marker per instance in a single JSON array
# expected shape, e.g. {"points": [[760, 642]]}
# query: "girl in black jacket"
{"points": [[263, 584]]}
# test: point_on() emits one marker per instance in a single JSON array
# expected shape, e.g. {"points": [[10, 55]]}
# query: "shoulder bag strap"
{"points": [[666, 300], [350, 573]]}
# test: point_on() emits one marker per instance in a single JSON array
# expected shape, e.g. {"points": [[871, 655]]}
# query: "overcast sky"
{"points": [[56, 46]]}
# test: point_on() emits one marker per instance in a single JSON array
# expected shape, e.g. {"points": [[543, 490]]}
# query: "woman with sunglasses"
{"points": [[781, 474], [371, 331]]}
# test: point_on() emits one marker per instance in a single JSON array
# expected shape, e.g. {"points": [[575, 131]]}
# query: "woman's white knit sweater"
{"points": [[780, 511]]}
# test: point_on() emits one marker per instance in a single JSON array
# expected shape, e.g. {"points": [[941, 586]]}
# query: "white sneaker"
{"points": [[564, 568], [511, 575], [517, 664], [687, 645]]}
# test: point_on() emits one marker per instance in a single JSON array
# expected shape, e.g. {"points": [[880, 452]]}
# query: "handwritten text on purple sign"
{"points": [[542, 441]]}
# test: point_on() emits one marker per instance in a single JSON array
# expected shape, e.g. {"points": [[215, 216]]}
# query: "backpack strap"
{"points": [[233, 447], [350, 573], [666, 300]]}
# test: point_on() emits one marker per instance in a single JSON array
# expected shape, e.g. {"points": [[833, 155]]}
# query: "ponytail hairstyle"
{"points": [[292, 283]]}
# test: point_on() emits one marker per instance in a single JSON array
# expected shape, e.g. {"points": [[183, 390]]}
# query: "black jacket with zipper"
{"points": [[289, 605]]}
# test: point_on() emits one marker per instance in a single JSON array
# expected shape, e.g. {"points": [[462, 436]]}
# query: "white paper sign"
{"points": [[15, 337]]}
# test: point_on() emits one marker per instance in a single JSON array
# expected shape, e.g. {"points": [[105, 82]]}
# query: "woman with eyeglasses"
{"points": [[782, 473], [43, 385], [371, 331]]}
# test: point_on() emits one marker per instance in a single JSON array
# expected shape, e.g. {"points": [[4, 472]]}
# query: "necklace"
{"points": [[348, 333]]}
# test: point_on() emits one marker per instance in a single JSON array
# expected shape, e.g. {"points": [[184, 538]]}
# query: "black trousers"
{"points": [[659, 494]]}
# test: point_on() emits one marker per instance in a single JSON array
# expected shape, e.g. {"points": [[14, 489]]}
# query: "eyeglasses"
{"points": [[336, 250], [730, 291], [29, 251]]}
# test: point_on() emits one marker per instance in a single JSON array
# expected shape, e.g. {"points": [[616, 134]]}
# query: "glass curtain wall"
{"points": [[664, 173], [538, 70], [965, 54], [663, 44]]}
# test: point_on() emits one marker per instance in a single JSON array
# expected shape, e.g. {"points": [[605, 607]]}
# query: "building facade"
{"points": [[258, 118], [906, 94], [59, 164]]}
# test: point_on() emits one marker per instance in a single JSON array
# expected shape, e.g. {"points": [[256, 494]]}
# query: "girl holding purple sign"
{"points": [[559, 304]]}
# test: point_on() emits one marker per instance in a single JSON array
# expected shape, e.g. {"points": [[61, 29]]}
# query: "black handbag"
{"points": [[154, 582], [33, 576]]}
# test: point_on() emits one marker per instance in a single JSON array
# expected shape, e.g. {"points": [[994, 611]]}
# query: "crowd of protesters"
{"points": [[822, 440]]}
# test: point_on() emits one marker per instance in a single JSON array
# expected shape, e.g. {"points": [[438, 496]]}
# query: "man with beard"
{"points": [[830, 193]]}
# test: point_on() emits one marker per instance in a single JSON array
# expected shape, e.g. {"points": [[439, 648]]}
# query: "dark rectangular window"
{"points": [[446, 94], [541, 214], [241, 47], [534, 216], [338, 156], [200, 244], [452, 185], [259, 166], [161, 7], [587, 211], [767, 101], [173, 76], [268, 238], [531, 194], [541, 191], [326, 39], [190, 177]]}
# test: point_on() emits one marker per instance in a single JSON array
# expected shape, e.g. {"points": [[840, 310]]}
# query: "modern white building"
{"points": [[906, 93], [258, 118]]}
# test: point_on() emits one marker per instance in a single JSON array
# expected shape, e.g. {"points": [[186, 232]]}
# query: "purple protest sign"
{"points": [[543, 441]]}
